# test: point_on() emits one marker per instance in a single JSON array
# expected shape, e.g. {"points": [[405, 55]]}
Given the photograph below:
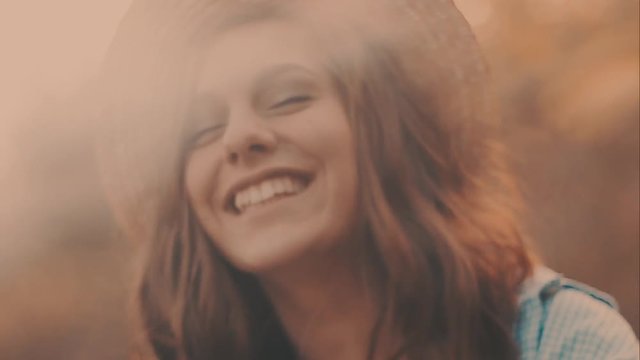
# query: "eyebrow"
{"points": [[268, 76]]}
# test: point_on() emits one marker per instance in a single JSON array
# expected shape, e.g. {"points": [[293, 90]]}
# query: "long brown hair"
{"points": [[438, 204]]}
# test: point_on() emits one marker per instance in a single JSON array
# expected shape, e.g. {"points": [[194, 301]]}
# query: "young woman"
{"points": [[322, 180]]}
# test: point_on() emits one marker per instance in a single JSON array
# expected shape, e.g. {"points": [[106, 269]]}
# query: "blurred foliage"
{"points": [[567, 73]]}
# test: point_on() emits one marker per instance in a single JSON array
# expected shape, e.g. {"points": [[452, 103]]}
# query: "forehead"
{"points": [[235, 57]]}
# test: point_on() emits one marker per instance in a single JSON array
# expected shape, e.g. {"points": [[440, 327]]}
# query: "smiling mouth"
{"points": [[267, 191]]}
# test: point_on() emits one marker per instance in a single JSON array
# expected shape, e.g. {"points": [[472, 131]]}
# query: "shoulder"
{"points": [[563, 319]]}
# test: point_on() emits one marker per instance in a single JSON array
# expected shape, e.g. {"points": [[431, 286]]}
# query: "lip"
{"points": [[259, 177]]}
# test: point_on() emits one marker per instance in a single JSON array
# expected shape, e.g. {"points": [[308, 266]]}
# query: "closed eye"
{"points": [[206, 135], [293, 100]]}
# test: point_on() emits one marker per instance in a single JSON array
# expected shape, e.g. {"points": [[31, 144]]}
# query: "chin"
{"points": [[266, 253]]}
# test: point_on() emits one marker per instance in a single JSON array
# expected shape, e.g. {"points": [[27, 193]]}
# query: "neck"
{"points": [[326, 304]]}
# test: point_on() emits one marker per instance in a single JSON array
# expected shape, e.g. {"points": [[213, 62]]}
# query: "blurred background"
{"points": [[567, 75]]}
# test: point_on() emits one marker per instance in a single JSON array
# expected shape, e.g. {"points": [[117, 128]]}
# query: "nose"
{"points": [[247, 138]]}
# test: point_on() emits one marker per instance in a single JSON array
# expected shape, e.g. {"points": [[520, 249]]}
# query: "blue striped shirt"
{"points": [[561, 319]]}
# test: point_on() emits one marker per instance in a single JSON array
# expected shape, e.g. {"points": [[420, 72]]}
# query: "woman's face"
{"points": [[271, 174]]}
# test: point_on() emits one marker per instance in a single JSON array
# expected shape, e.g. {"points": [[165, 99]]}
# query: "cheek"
{"points": [[338, 147], [199, 189], [329, 133], [199, 181], [193, 181]]}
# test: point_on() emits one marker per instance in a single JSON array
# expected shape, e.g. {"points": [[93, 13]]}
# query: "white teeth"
{"points": [[288, 185], [266, 190], [278, 186], [237, 202], [256, 196]]}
